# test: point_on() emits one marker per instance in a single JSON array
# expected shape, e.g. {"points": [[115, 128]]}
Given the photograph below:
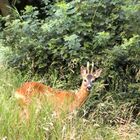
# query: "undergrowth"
{"points": [[44, 126]]}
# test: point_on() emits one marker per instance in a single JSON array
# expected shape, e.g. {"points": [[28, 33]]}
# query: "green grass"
{"points": [[44, 126]]}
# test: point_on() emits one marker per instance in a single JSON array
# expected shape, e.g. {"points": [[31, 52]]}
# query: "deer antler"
{"points": [[92, 66], [87, 67]]}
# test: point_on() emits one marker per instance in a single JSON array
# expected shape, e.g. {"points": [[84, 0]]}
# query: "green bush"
{"points": [[105, 32]]}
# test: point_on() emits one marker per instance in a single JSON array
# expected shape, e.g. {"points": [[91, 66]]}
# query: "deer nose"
{"points": [[88, 87]]}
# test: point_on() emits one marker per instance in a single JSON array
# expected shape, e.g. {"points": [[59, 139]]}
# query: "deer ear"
{"points": [[97, 73], [83, 71]]}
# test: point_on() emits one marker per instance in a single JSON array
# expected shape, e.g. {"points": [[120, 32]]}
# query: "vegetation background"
{"points": [[48, 41]]}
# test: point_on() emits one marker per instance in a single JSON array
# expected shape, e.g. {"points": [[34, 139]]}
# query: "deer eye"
{"points": [[85, 80]]}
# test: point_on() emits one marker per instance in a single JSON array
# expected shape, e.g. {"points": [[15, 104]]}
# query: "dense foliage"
{"points": [[104, 32]]}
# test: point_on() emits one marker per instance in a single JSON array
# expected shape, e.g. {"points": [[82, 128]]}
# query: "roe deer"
{"points": [[60, 99]]}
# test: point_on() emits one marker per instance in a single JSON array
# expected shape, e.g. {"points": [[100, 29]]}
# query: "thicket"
{"points": [[101, 31]]}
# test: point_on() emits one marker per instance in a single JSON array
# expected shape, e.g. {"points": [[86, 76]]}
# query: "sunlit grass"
{"points": [[45, 126]]}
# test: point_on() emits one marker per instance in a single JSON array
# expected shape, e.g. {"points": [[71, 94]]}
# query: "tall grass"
{"points": [[44, 126]]}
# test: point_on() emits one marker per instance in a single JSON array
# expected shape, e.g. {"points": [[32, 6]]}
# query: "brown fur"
{"points": [[60, 99]]}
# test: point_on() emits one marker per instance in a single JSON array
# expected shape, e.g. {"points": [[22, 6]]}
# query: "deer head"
{"points": [[89, 76]]}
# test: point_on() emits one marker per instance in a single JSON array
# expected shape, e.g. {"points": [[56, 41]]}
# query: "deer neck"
{"points": [[82, 94], [80, 97]]}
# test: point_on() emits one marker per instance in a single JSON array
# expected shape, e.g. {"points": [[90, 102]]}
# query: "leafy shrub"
{"points": [[76, 32]]}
